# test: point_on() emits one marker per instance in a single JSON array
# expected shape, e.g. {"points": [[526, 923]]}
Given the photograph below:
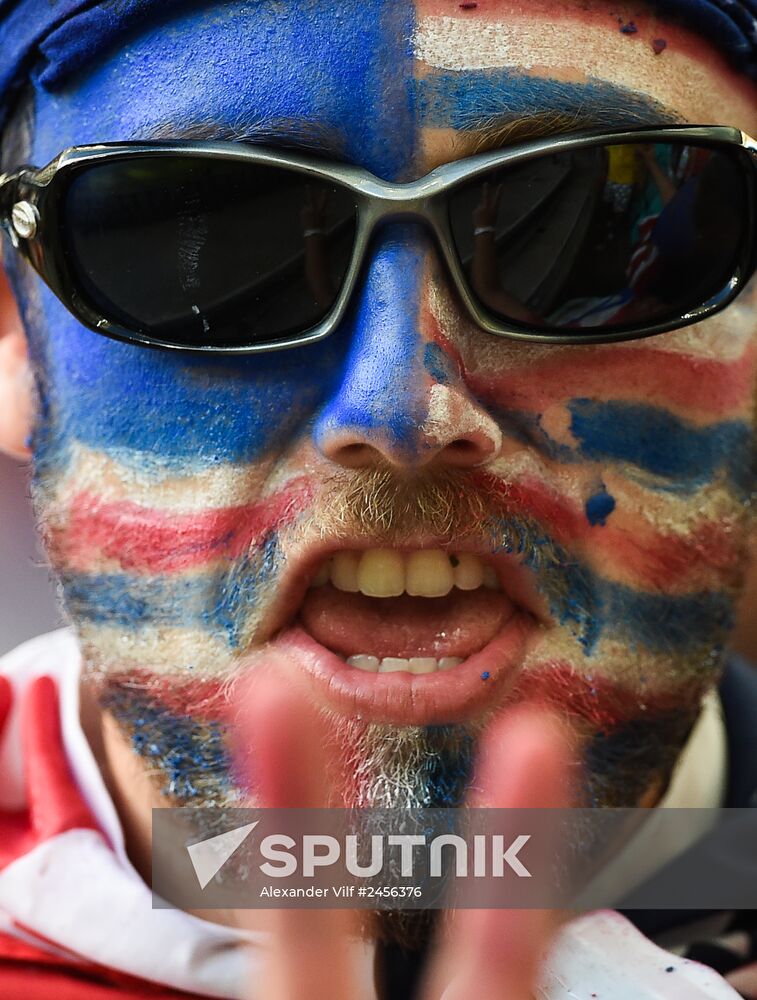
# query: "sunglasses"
{"points": [[224, 247]]}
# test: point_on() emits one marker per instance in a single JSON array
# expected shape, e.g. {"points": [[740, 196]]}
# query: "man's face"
{"points": [[591, 498]]}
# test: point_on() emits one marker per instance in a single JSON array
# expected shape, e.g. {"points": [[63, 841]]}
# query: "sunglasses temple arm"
{"points": [[8, 189], [9, 195]]}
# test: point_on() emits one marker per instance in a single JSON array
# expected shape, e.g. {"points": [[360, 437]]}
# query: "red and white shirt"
{"points": [[73, 910]]}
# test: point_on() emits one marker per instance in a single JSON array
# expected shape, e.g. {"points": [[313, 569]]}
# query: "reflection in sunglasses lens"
{"points": [[605, 236], [194, 250]]}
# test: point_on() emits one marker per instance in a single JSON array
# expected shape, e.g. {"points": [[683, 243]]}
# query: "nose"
{"points": [[402, 399]]}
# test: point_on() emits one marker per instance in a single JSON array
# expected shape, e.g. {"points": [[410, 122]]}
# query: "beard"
{"points": [[183, 741], [392, 766], [419, 768], [405, 768]]}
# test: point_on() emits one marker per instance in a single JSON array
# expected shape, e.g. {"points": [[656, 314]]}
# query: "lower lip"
{"points": [[479, 683]]}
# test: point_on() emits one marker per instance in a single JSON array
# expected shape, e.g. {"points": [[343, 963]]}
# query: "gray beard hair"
{"points": [[413, 767], [405, 767], [410, 768]]}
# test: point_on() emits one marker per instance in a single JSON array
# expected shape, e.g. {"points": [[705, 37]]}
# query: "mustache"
{"points": [[448, 506], [381, 504]]}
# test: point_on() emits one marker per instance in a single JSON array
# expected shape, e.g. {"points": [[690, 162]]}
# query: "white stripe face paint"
{"points": [[573, 50]]}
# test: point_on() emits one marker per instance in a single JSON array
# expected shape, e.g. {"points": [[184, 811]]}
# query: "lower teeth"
{"points": [[396, 664]]}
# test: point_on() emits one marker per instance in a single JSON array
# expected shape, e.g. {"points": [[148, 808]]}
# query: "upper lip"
{"points": [[516, 581]]}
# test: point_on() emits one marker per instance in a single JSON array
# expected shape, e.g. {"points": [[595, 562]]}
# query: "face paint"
{"points": [[632, 489], [524, 44], [372, 399], [464, 100], [188, 503], [649, 438]]}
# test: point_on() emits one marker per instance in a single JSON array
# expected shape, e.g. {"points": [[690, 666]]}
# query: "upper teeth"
{"points": [[389, 573], [398, 664]]}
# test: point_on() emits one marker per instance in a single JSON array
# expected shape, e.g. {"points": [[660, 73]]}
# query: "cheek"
{"points": [[181, 411], [154, 482], [632, 463], [667, 415]]}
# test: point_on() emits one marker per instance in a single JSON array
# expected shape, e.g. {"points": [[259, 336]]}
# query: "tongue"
{"points": [[459, 624]]}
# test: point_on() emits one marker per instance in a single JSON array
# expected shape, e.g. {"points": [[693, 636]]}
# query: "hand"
{"points": [[496, 954], [646, 153], [485, 213], [317, 954]]}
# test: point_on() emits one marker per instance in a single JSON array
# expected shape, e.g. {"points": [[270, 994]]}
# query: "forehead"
{"points": [[394, 85]]}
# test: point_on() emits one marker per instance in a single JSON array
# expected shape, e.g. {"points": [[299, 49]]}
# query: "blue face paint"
{"points": [[348, 70], [181, 411], [664, 445], [628, 759], [295, 65], [218, 602], [443, 779], [191, 756], [469, 99], [684, 457], [595, 607], [599, 507], [380, 392], [654, 622], [439, 364]]}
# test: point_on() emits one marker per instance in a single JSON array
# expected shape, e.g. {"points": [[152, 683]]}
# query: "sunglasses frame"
{"points": [[34, 194]]}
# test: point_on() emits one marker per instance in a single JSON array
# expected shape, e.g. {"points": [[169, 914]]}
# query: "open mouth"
{"points": [[386, 611], [410, 637]]}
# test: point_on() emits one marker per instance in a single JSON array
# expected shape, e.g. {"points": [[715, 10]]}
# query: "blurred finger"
{"points": [[313, 954], [523, 764], [282, 744]]}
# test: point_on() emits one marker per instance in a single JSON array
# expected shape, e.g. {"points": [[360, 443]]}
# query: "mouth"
{"points": [[409, 636]]}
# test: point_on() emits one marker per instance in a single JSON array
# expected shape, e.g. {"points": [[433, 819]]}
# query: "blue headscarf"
{"points": [[54, 38]]}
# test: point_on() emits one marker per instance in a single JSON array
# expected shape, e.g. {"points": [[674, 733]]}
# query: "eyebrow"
{"points": [[504, 106], [481, 130], [288, 133], [498, 132]]}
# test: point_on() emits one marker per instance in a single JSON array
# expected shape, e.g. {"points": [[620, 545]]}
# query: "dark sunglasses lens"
{"points": [[199, 251], [607, 236]]}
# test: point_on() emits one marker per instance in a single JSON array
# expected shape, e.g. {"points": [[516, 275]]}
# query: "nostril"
{"points": [[353, 450], [462, 449], [467, 451], [355, 455]]}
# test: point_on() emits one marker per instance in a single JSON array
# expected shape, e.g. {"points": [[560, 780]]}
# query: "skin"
{"points": [[173, 502]]}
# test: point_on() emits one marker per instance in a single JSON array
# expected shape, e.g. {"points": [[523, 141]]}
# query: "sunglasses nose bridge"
{"points": [[408, 205], [386, 203]]}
